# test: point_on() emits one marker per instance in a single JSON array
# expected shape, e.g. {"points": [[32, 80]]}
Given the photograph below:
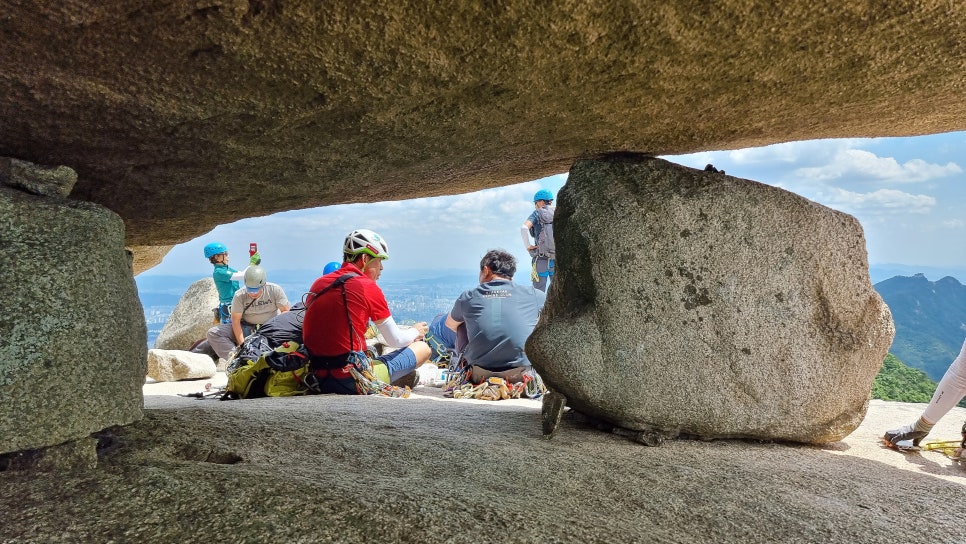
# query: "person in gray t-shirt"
{"points": [[499, 315], [253, 305]]}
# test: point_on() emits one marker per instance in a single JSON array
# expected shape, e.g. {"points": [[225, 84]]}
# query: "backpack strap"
{"points": [[339, 282]]}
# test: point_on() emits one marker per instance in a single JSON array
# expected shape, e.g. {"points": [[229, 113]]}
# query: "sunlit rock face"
{"points": [[183, 115], [693, 302], [191, 318]]}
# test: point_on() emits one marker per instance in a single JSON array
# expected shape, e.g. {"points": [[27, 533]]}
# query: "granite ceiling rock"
{"points": [[182, 115]]}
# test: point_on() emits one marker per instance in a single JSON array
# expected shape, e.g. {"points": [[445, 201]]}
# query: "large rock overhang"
{"points": [[180, 116]]}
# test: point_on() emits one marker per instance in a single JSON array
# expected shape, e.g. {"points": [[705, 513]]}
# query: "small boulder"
{"points": [[52, 181], [173, 365]]}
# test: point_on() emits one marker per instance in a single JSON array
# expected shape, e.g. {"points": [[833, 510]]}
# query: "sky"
{"points": [[908, 194]]}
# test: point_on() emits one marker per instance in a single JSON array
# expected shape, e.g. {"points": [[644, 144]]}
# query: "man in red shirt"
{"points": [[337, 314]]}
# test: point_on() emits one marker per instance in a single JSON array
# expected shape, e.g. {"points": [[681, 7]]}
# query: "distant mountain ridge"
{"points": [[884, 271], [930, 319]]}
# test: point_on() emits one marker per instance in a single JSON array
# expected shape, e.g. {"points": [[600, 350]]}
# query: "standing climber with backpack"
{"points": [[542, 251]]}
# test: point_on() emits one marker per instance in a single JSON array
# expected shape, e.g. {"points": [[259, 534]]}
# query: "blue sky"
{"points": [[908, 193]]}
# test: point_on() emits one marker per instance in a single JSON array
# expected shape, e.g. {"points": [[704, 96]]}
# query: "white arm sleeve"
{"points": [[525, 234], [396, 337], [239, 276]]}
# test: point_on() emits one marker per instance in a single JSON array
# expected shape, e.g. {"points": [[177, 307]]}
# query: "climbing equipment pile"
{"points": [[368, 384], [460, 386]]}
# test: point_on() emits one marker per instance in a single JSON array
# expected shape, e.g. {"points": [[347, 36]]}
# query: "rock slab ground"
{"points": [[428, 469]]}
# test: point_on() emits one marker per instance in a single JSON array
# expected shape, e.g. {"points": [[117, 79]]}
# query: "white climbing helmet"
{"points": [[254, 278], [366, 241]]}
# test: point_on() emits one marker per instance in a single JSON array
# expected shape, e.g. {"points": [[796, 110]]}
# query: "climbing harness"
{"points": [[443, 355]]}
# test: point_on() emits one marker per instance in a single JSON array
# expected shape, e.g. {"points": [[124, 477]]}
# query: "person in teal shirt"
{"points": [[226, 278]]}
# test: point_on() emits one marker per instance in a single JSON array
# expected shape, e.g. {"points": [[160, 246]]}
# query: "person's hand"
{"points": [[423, 328], [256, 259]]}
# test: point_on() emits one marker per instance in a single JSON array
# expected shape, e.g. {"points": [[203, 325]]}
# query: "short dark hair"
{"points": [[499, 262]]}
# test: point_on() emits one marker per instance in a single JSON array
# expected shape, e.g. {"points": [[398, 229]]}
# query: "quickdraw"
{"points": [[953, 449]]}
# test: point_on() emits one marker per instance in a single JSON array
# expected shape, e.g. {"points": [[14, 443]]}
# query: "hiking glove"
{"points": [[255, 260]]}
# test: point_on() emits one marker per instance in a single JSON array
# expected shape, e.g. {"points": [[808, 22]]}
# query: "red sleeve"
{"points": [[378, 307]]}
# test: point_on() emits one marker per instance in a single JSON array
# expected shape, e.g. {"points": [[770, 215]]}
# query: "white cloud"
{"points": [[880, 201], [859, 165], [953, 224], [808, 152]]}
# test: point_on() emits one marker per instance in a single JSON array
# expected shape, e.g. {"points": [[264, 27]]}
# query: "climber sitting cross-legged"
{"points": [[337, 314]]}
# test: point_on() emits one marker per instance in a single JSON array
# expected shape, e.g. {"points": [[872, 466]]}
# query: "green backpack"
{"points": [[276, 373]]}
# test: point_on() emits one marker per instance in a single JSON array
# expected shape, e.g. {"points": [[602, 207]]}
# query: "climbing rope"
{"points": [[368, 384]]}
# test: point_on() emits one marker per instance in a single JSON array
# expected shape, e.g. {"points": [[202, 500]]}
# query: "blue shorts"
{"points": [[399, 363]]}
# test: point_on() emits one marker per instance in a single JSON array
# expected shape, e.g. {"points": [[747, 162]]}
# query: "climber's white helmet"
{"points": [[365, 241]]}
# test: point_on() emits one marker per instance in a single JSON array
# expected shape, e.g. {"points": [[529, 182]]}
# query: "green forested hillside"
{"points": [[929, 318], [899, 382]]}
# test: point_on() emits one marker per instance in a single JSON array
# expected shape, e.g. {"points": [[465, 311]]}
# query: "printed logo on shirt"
{"points": [[502, 293]]}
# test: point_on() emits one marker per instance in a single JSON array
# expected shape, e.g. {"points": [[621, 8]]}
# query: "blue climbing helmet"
{"points": [[543, 194], [331, 267], [215, 248]]}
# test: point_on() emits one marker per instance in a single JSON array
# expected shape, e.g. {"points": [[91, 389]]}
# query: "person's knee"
{"points": [[422, 351]]}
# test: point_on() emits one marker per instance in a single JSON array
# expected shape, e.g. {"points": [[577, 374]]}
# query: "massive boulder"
{"points": [[191, 318], [182, 115], [694, 302], [73, 343]]}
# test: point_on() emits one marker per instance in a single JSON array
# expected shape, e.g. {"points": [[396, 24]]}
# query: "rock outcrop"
{"points": [[182, 117], [73, 342], [171, 365], [695, 302], [191, 318]]}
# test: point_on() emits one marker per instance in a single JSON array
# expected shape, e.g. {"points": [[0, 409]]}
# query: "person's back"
{"points": [[499, 317], [326, 325], [496, 317], [284, 327]]}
